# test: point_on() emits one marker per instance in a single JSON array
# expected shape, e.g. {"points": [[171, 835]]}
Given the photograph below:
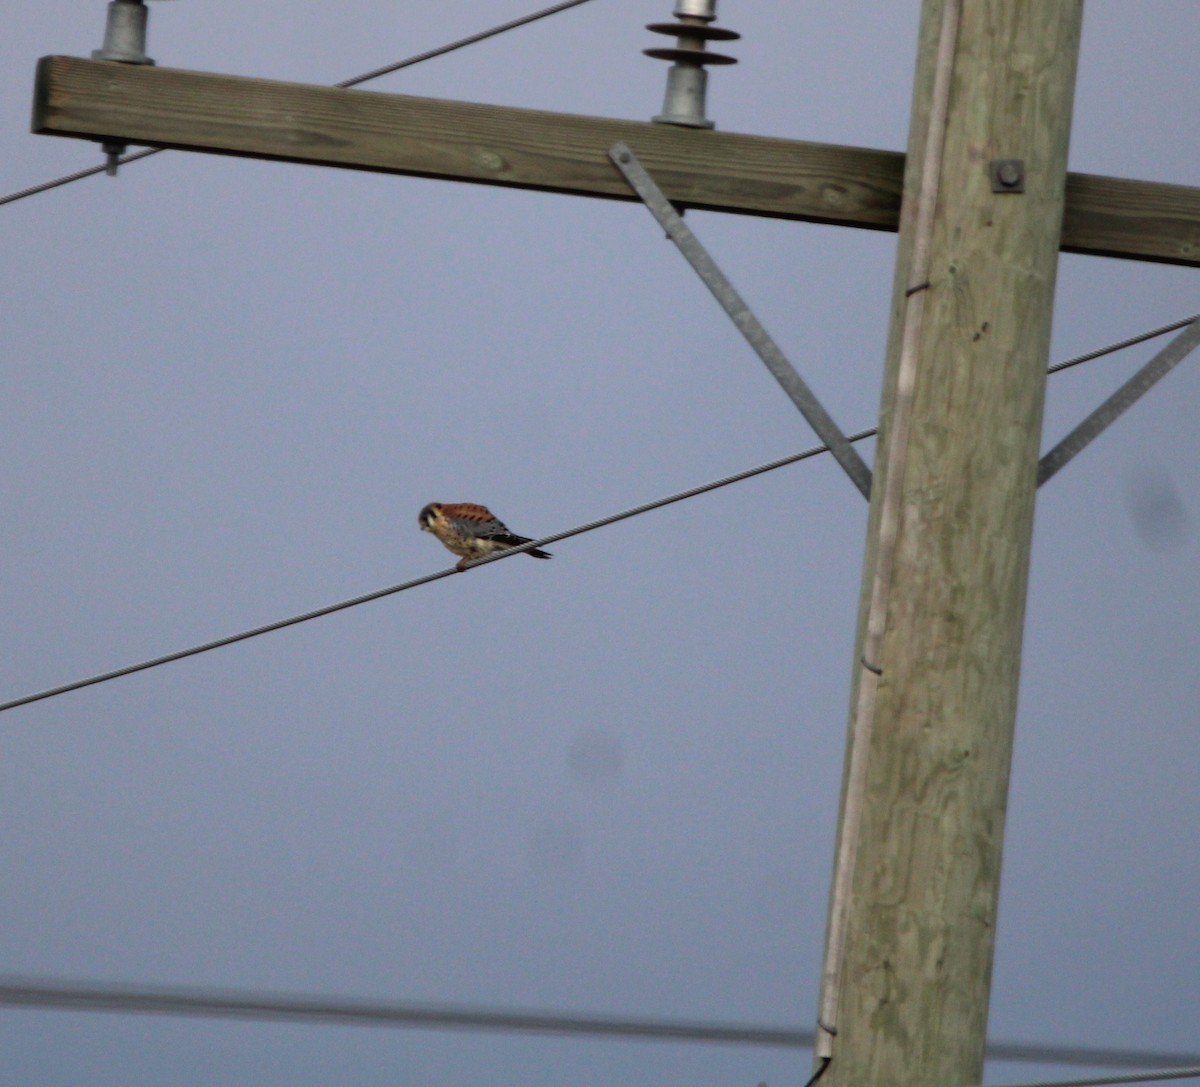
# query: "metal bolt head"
{"points": [[1008, 175]]}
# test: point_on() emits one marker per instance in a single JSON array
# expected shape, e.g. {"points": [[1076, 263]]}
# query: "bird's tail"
{"points": [[538, 553]]}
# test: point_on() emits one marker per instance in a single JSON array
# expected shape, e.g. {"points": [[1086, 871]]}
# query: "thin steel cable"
{"points": [[45, 993], [471, 39], [86, 996], [1102, 417], [33, 190], [268, 628], [378, 594], [1192, 1072], [354, 81], [1121, 343], [1095, 1056]]}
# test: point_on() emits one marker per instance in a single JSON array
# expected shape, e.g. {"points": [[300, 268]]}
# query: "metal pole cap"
{"points": [[697, 9]]}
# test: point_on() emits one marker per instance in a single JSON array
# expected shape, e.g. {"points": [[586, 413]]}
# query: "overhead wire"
{"points": [[66, 179], [30, 992], [1140, 338], [90, 996], [470, 39], [378, 594], [1190, 1072], [1095, 1056], [354, 81]]}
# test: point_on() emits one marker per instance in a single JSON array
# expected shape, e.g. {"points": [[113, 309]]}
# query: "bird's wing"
{"points": [[480, 521]]}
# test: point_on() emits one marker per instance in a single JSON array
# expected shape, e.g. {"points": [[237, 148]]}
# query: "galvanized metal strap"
{"points": [[749, 326], [1120, 401]]}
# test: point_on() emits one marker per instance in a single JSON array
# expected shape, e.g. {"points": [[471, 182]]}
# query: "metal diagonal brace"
{"points": [[782, 370], [1117, 404]]}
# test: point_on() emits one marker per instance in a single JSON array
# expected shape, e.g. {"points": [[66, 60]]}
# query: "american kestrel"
{"points": [[471, 531]]}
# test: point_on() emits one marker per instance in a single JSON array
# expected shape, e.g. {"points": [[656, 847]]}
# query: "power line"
{"points": [[471, 39], [1102, 417], [1190, 1072], [354, 81], [1096, 1056], [19, 992], [33, 190], [23, 992], [1122, 343], [378, 594]]}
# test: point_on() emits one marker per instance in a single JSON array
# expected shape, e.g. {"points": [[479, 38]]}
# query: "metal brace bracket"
{"points": [[1120, 401], [749, 326]]}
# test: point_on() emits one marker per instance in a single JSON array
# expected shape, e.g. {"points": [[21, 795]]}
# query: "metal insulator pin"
{"points": [[124, 43]]}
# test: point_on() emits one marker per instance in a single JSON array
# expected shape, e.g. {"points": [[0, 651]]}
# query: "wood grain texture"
{"points": [[461, 141], [923, 903], [555, 152]]}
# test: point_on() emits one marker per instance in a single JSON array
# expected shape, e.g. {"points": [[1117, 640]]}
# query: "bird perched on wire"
{"points": [[471, 531]]}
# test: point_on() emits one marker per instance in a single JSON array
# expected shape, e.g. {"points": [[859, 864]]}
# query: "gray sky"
{"points": [[605, 784]]}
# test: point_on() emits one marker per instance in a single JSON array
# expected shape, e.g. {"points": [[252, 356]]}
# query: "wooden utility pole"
{"points": [[938, 687], [908, 974]]}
